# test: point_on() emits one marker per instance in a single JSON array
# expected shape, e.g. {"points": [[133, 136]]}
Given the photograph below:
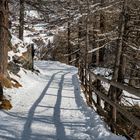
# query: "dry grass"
{"points": [[9, 82], [5, 82], [5, 103], [15, 83]]}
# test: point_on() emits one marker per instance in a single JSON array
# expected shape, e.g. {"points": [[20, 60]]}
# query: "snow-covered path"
{"points": [[52, 108]]}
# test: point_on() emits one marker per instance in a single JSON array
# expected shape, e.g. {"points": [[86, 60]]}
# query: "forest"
{"points": [[67, 62]]}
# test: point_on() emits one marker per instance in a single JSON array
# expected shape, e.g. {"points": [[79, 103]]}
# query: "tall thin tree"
{"points": [[102, 29], [21, 19], [4, 39]]}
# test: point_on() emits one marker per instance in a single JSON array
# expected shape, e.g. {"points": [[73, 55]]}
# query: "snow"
{"points": [[128, 99], [131, 99], [102, 71], [15, 40], [32, 14], [96, 49], [28, 40], [39, 31], [39, 27], [19, 45], [50, 106]]}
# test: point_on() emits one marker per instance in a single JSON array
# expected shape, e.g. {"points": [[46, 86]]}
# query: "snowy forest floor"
{"points": [[50, 106]]}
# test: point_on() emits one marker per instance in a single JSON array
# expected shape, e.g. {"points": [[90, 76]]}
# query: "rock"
{"points": [[16, 59], [13, 67], [25, 61]]}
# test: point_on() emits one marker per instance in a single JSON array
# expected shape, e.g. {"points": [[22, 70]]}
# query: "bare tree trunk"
{"points": [[133, 73], [4, 39], [69, 46], [102, 29], [86, 44], [4, 36], [117, 66], [115, 93], [97, 53], [87, 36], [78, 47], [93, 59], [21, 19]]}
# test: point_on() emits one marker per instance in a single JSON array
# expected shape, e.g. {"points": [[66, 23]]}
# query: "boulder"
{"points": [[13, 67]]}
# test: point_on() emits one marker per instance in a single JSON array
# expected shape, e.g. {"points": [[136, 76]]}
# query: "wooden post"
{"points": [[77, 59], [86, 88], [79, 70], [98, 84], [90, 89], [1, 92], [82, 73], [113, 111], [32, 54]]}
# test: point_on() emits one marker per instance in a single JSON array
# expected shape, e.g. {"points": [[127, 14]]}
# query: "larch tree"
{"points": [[21, 19], [4, 39]]}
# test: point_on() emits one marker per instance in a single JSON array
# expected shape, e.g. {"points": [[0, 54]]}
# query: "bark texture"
{"points": [[4, 36], [21, 19], [4, 39]]}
